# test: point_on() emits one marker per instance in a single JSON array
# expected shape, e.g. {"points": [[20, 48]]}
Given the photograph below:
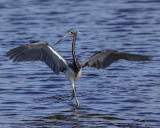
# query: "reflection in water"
{"points": [[80, 118]]}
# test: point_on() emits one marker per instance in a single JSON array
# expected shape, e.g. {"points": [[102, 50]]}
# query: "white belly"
{"points": [[78, 75], [71, 75]]}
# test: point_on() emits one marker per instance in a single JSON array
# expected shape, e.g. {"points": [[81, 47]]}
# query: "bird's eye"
{"points": [[70, 33]]}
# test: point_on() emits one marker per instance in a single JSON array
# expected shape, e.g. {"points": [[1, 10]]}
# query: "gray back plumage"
{"points": [[39, 51], [103, 59]]}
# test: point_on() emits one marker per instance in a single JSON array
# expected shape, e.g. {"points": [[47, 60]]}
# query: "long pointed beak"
{"points": [[67, 35]]}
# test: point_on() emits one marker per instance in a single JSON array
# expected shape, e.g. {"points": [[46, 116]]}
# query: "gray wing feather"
{"points": [[39, 51], [104, 59]]}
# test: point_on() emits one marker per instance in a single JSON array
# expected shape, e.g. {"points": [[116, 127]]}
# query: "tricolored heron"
{"points": [[42, 51]]}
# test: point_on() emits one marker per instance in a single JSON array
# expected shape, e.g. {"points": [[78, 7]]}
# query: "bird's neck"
{"points": [[75, 62]]}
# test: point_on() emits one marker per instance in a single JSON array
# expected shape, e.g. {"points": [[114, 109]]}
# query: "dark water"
{"points": [[127, 94]]}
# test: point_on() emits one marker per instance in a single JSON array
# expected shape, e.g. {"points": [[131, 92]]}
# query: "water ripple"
{"points": [[126, 94]]}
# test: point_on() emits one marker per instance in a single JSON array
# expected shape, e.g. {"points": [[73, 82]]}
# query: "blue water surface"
{"points": [[126, 94]]}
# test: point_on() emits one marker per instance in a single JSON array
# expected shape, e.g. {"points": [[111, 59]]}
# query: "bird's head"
{"points": [[70, 32]]}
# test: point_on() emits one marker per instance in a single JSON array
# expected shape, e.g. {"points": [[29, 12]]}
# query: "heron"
{"points": [[42, 51]]}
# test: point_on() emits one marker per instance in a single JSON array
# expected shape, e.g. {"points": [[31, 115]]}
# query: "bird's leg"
{"points": [[74, 94]]}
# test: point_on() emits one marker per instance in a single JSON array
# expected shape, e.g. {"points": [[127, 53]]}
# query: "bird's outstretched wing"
{"points": [[103, 59], [36, 51]]}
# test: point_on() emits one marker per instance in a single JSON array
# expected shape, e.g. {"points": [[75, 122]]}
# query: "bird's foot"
{"points": [[72, 95], [77, 102]]}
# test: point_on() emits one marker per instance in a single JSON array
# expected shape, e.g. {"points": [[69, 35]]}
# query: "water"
{"points": [[126, 94]]}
